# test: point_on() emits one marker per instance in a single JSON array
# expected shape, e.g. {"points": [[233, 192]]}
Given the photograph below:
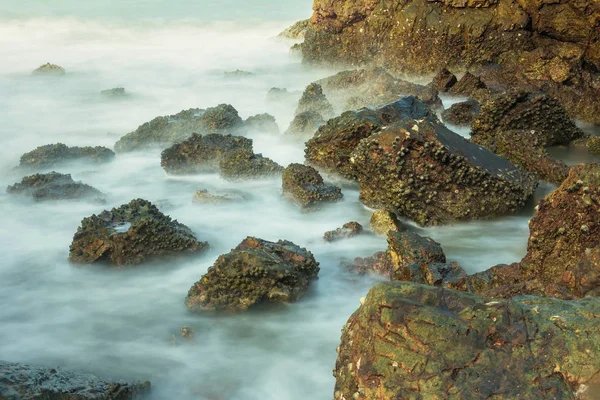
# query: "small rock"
{"points": [[55, 186], [243, 164], [202, 196], [262, 123], [304, 185], [187, 332], [305, 124], [52, 155], [348, 230], [49, 69], [115, 92], [238, 73]]}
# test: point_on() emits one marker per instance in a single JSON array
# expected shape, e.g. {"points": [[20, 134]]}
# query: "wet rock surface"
{"points": [[413, 341], [55, 186], [49, 69], [305, 124], [131, 234], [164, 131], [52, 155], [255, 271], [461, 114], [244, 164], [21, 381], [348, 230], [304, 186], [200, 153]]}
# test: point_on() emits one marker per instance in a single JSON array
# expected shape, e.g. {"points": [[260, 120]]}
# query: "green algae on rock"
{"points": [[255, 271], [412, 341], [304, 186], [52, 155], [55, 186], [131, 234]]}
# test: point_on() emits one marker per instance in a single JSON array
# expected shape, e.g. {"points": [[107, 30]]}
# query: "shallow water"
{"points": [[120, 323]]}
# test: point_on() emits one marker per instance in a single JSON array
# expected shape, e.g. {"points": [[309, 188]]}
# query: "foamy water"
{"points": [[120, 323]]}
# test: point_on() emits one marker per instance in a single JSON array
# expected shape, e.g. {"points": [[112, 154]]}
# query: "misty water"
{"points": [[125, 323]]}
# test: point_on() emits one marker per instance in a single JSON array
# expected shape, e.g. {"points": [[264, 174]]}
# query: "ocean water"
{"points": [[125, 323]]}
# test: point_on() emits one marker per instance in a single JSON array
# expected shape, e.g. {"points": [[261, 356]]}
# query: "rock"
{"points": [[255, 271], [200, 154], [115, 92], [202, 196], [410, 252], [462, 113], [305, 124], [348, 230], [518, 110], [262, 123], [593, 145], [313, 99], [383, 221], [187, 332], [55, 186], [379, 263], [21, 381], [412, 341], [52, 155], [49, 69], [131, 234], [467, 86], [296, 31], [164, 131], [525, 44], [419, 169], [238, 73], [279, 95], [244, 164], [304, 186], [443, 80]]}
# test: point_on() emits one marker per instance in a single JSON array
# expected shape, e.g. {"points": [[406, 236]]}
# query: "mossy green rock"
{"points": [[409, 341], [131, 234], [52, 155], [255, 271], [55, 186]]}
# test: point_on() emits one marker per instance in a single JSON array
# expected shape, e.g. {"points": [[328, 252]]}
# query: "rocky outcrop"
{"points": [[49, 69], [314, 100], [384, 221], [200, 153], [420, 170], [55, 186], [255, 271], [305, 124], [545, 45], [243, 164], [412, 341], [461, 114], [52, 155], [348, 230], [469, 85], [131, 234], [114, 92], [21, 381], [261, 123], [304, 186], [164, 131]]}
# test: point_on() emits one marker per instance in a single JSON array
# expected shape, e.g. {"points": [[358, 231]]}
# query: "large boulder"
{"points": [[243, 164], [55, 186], [313, 99], [164, 131], [21, 381], [305, 124], [409, 341], [255, 271], [131, 234], [52, 155], [421, 170], [304, 186], [49, 69], [547, 45], [200, 153]]}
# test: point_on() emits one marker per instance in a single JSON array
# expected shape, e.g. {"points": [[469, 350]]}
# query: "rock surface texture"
{"points": [[52, 155], [348, 230], [255, 271], [304, 186], [245, 165], [55, 186]]}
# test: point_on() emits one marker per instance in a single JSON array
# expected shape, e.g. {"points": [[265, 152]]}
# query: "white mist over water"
{"points": [[120, 323]]}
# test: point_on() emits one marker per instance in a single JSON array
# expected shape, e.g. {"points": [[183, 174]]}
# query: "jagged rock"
{"points": [[304, 186], [55, 186], [313, 99], [411, 341], [115, 92], [383, 221], [348, 230], [421, 170], [49, 69], [255, 271], [443, 80], [305, 124], [131, 234], [462, 113], [164, 131], [200, 153], [203, 196], [238, 73], [244, 164], [21, 381], [593, 145], [467, 85], [296, 31], [262, 123], [52, 155]]}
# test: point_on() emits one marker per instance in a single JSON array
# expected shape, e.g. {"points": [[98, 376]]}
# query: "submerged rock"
{"points": [[305, 124], [115, 92], [262, 123], [296, 31], [313, 99], [52, 155], [203, 196], [131, 234], [55, 186], [462, 113], [49, 69], [304, 186], [164, 131], [255, 271], [200, 153], [21, 381], [244, 164], [348, 230], [238, 73], [412, 341], [383, 221]]}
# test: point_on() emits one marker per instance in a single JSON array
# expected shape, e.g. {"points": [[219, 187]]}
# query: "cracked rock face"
{"points": [[255, 271], [131, 234], [411, 341], [52, 155]]}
